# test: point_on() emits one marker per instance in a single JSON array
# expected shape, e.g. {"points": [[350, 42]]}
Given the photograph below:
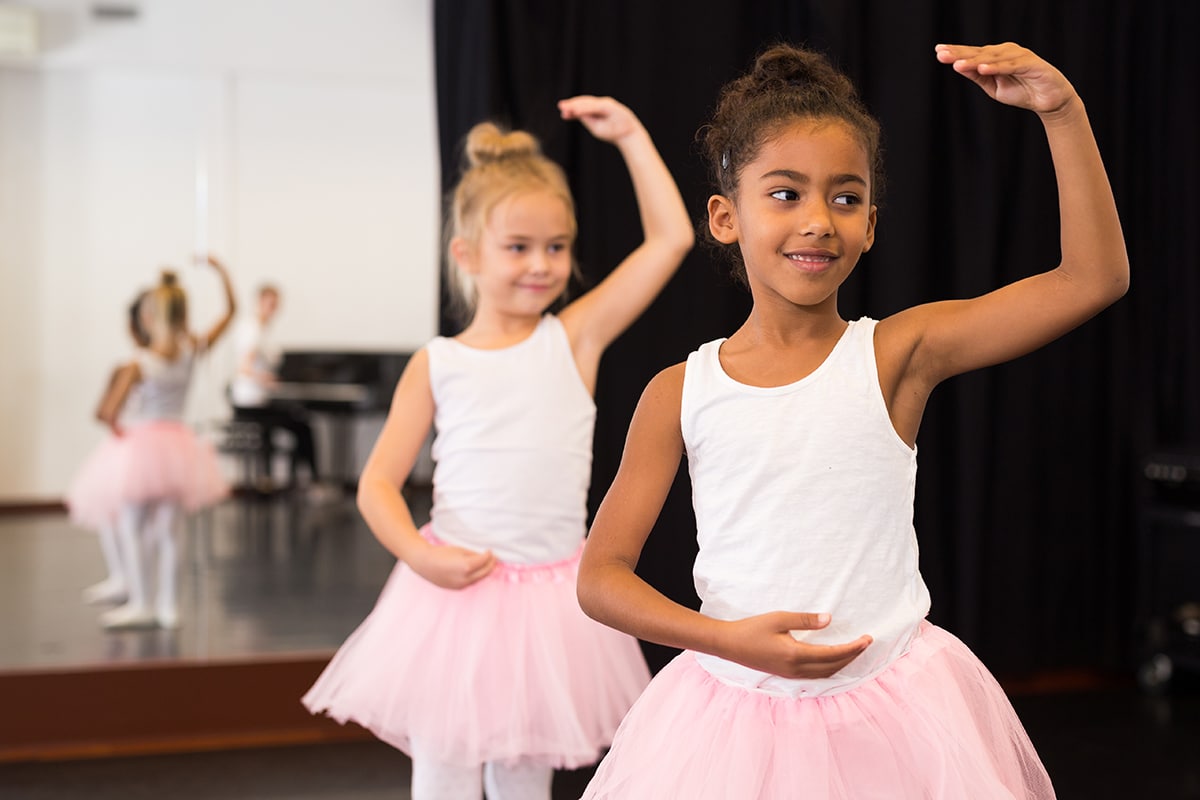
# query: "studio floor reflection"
{"points": [[259, 576]]}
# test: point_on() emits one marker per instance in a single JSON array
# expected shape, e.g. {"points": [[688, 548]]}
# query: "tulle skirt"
{"points": [[508, 669], [933, 725], [152, 461]]}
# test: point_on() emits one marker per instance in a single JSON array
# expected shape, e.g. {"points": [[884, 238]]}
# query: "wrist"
{"points": [[714, 637], [1070, 112], [634, 138]]}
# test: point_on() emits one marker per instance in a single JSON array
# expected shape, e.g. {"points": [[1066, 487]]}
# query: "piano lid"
{"points": [[375, 372]]}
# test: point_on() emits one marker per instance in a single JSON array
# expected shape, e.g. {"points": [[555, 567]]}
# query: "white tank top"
{"points": [[804, 500], [163, 390], [513, 446]]}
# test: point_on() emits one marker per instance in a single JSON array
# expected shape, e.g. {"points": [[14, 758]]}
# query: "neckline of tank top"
{"points": [[507, 348], [786, 387]]}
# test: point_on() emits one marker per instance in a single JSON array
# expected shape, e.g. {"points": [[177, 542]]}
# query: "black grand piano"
{"points": [[341, 387]]}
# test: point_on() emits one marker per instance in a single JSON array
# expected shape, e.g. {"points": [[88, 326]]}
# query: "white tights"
{"points": [[149, 555], [433, 780], [113, 589]]}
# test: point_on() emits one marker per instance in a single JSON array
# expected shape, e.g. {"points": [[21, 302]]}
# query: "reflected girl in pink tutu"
{"points": [[477, 660], [135, 483], [810, 670], [114, 588]]}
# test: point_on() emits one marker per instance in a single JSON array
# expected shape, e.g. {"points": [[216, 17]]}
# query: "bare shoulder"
{"points": [[661, 401], [667, 385], [416, 373]]}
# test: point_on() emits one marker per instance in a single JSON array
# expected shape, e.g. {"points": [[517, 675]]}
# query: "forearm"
{"points": [[663, 214], [388, 516], [1093, 245], [614, 595], [230, 295], [119, 386]]}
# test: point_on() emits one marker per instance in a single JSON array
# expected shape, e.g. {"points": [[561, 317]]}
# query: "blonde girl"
{"points": [[477, 660]]}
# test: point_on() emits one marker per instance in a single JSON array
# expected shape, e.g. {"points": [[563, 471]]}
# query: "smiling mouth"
{"points": [[810, 262]]}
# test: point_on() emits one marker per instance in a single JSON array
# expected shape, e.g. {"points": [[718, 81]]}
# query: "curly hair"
{"points": [[786, 83]]}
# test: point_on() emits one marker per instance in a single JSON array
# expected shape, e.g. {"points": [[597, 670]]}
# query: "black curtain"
{"points": [[1029, 472]]}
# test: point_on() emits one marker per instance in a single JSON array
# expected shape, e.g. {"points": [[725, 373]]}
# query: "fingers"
{"points": [[821, 661], [478, 565], [990, 58], [803, 621], [584, 105]]}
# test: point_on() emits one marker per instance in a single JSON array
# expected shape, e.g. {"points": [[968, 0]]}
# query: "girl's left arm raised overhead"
{"points": [[939, 340], [208, 339], [598, 317]]}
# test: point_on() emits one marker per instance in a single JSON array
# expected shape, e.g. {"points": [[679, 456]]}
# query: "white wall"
{"points": [[310, 122]]}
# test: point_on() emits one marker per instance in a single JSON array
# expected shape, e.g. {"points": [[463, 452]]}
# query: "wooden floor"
{"points": [[269, 590]]}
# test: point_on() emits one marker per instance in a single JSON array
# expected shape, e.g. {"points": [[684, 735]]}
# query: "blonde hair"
{"points": [[165, 308], [499, 164]]}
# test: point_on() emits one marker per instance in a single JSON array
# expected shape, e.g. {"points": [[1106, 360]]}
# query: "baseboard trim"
{"points": [[162, 708]]}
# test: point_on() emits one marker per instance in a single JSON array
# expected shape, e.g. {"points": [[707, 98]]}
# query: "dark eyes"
{"points": [[791, 196]]}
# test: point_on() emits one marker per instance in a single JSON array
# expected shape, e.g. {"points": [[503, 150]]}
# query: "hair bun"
{"points": [[487, 143], [785, 65], [168, 278]]}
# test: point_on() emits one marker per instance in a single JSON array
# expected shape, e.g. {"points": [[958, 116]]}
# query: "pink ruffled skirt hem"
{"points": [[508, 669], [150, 462], [935, 724]]}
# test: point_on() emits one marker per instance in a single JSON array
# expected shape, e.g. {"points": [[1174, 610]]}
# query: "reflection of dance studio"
{"points": [[136, 137], [284, 166]]}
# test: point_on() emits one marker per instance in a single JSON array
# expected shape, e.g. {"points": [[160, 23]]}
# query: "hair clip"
{"points": [[725, 160]]}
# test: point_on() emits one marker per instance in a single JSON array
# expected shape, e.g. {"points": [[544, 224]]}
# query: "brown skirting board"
{"points": [[161, 707]]}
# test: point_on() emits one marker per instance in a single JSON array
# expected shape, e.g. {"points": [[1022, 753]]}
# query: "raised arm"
{"points": [[600, 316], [953, 337], [214, 333], [612, 593], [381, 501]]}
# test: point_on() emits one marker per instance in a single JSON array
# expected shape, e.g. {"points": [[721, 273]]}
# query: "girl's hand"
{"points": [[1011, 74], [765, 642], [452, 567], [604, 117], [214, 262]]}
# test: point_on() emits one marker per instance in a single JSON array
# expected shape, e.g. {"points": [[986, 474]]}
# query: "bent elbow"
{"points": [[685, 241], [1121, 285], [1113, 290], [362, 496], [587, 594]]}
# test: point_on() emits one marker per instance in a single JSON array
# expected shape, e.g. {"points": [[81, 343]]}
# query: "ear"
{"points": [[871, 218], [463, 254], [722, 219]]}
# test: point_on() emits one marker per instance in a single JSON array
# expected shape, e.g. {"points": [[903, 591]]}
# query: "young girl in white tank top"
{"points": [[136, 482], [810, 670], [477, 660]]}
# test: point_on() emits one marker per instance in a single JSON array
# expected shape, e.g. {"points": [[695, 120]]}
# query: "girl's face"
{"points": [[522, 261], [801, 215]]}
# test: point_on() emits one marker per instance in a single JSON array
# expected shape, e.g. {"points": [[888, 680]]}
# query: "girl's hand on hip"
{"points": [[1011, 74], [604, 117], [452, 567], [765, 642]]}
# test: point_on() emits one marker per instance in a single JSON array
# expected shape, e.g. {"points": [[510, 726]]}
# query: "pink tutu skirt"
{"points": [[508, 669], [935, 724], [152, 461]]}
